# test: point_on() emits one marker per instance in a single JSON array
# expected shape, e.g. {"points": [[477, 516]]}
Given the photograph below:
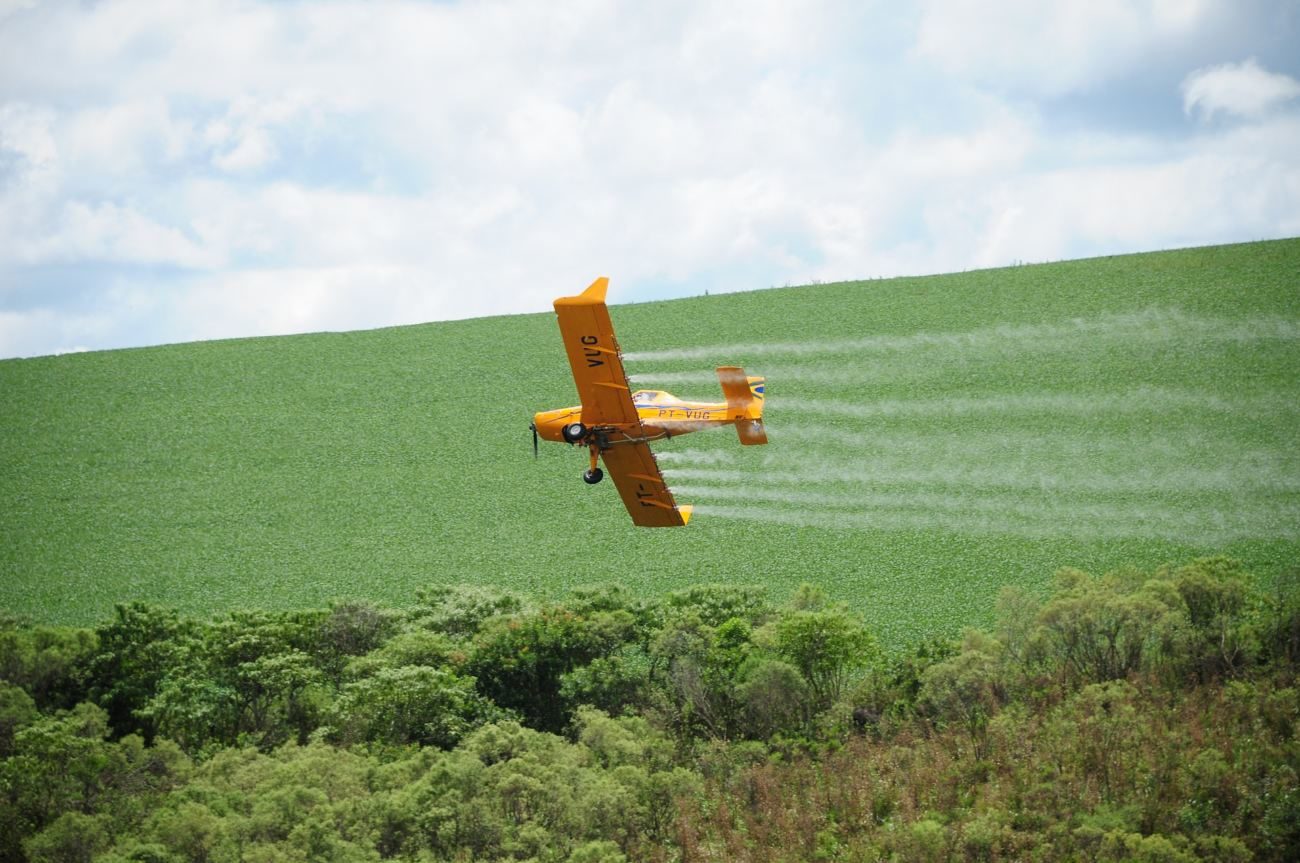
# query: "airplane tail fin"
{"points": [[744, 403]]}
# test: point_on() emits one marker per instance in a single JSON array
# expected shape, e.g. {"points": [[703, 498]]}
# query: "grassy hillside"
{"points": [[931, 440]]}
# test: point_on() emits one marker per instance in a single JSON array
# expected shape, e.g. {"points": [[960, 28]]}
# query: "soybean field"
{"points": [[931, 440]]}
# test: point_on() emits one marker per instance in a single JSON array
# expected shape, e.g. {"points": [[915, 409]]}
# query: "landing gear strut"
{"points": [[593, 474]]}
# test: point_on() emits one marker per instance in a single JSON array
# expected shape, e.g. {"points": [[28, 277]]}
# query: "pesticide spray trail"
{"points": [[1142, 337], [942, 431], [855, 372], [1166, 442], [1189, 507], [695, 457], [1042, 461], [1113, 489], [670, 378], [1048, 509], [1000, 514], [1148, 325], [1138, 400], [967, 523], [1001, 475]]}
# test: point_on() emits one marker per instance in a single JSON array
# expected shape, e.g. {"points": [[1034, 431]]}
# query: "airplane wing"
{"points": [[594, 357], [645, 494]]}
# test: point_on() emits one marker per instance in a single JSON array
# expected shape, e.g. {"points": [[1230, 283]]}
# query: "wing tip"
{"points": [[686, 511], [593, 295]]}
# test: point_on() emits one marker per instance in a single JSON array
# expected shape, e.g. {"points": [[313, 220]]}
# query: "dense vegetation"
{"points": [[932, 439], [1139, 715]]}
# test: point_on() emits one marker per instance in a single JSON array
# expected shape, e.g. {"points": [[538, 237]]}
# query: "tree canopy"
{"points": [[1125, 716]]}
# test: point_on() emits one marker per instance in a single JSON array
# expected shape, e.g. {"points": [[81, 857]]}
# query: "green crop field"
{"points": [[932, 439]]}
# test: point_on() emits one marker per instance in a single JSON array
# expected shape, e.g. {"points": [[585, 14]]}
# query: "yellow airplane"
{"points": [[617, 425]]}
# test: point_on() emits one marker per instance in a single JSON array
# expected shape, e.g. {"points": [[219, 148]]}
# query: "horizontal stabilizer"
{"points": [[751, 432]]}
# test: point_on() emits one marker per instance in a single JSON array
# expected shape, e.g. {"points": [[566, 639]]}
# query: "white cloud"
{"points": [[12, 7], [1056, 47], [1242, 89], [51, 331], [123, 142], [1238, 185], [250, 149], [26, 131], [303, 299], [109, 232], [1000, 143]]}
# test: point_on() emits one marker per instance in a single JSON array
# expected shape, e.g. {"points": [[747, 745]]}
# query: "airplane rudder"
{"points": [[734, 386]]}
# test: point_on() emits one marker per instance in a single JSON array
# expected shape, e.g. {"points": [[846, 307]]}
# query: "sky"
{"points": [[172, 172]]}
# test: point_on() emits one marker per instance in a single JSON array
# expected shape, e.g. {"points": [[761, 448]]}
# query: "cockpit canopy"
{"points": [[654, 397]]}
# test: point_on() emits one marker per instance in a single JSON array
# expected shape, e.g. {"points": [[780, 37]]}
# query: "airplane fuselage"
{"points": [[661, 415]]}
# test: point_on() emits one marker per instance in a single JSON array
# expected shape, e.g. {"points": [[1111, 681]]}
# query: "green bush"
{"points": [[410, 704]]}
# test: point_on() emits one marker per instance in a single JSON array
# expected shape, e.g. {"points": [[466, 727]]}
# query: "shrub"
{"points": [[1109, 627], [72, 838], [410, 704]]}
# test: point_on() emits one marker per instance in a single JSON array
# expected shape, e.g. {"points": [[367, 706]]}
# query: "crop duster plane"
{"points": [[617, 425]]}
